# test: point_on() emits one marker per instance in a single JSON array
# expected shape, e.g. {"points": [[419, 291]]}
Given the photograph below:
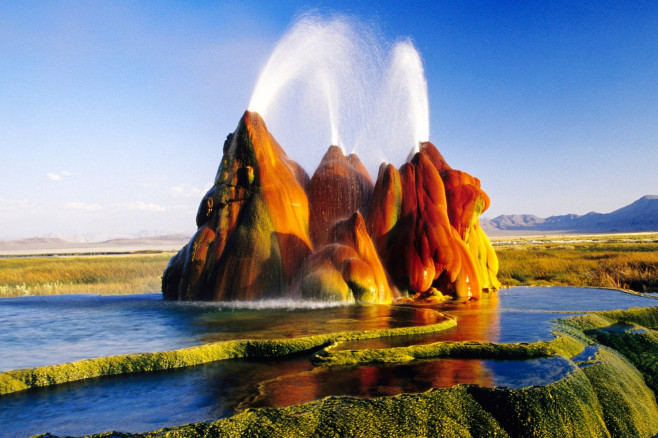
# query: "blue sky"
{"points": [[113, 114]]}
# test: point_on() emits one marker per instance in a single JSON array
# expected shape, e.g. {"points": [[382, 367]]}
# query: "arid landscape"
{"points": [[619, 261]]}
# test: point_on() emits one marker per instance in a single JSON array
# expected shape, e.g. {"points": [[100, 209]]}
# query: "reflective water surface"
{"points": [[48, 330], [45, 330]]}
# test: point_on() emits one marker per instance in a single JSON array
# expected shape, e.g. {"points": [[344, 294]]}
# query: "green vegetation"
{"points": [[610, 392], [19, 380], [105, 275], [636, 343], [604, 395], [461, 350], [628, 262]]}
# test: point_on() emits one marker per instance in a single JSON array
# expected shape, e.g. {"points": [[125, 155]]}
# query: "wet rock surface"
{"points": [[253, 224], [346, 269], [266, 230]]}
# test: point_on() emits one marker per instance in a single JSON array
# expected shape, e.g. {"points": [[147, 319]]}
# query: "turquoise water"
{"points": [[45, 330]]}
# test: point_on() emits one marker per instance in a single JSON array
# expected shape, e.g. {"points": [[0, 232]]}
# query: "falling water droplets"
{"points": [[335, 81]]}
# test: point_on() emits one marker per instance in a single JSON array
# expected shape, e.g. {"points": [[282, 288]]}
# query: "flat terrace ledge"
{"points": [[610, 392]]}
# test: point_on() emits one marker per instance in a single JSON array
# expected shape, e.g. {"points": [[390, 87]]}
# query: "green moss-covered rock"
{"points": [[462, 350], [566, 408], [628, 406], [644, 316], [606, 394], [638, 344], [19, 380]]}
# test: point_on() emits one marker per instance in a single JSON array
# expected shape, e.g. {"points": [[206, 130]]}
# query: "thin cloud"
{"points": [[83, 206], [190, 208], [13, 204], [154, 182], [142, 206], [58, 176], [185, 190]]}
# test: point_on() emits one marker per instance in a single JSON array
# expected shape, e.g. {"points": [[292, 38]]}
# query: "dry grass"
{"points": [[105, 275], [625, 262], [613, 263]]}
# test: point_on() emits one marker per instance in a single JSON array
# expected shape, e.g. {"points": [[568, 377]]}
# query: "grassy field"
{"points": [[611, 261], [106, 275]]}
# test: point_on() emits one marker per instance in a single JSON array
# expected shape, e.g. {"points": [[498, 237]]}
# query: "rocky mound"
{"points": [[266, 230], [253, 224]]}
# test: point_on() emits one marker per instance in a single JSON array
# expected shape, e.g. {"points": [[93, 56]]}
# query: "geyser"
{"points": [[338, 82], [267, 230], [406, 73]]}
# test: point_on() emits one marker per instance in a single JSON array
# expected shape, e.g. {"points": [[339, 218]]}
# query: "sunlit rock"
{"points": [[253, 224], [423, 220], [384, 209], [339, 187], [467, 201], [345, 269], [259, 223]]}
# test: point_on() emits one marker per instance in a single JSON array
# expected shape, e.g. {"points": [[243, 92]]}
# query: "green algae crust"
{"points": [[644, 316], [438, 350], [637, 344], [22, 379], [569, 342], [607, 398], [629, 332], [628, 407], [608, 393]]}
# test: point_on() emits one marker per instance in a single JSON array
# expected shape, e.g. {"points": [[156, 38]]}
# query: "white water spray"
{"points": [[327, 82], [273, 303], [407, 80]]}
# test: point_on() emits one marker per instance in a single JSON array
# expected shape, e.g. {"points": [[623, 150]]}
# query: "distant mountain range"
{"points": [[641, 215], [105, 236], [56, 245]]}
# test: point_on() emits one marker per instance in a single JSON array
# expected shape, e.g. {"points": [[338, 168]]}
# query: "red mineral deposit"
{"points": [[345, 269], [467, 201], [339, 187], [420, 246], [259, 224], [253, 233]]}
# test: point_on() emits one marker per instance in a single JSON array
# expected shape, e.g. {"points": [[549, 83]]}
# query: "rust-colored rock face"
{"points": [[259, 223], [467, 202], [345, 269], [423, 220], [253, 224], [339, 187]]}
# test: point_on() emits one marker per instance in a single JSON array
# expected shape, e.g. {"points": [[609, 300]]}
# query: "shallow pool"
{"points": [[47, 330], [141, 403]]}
